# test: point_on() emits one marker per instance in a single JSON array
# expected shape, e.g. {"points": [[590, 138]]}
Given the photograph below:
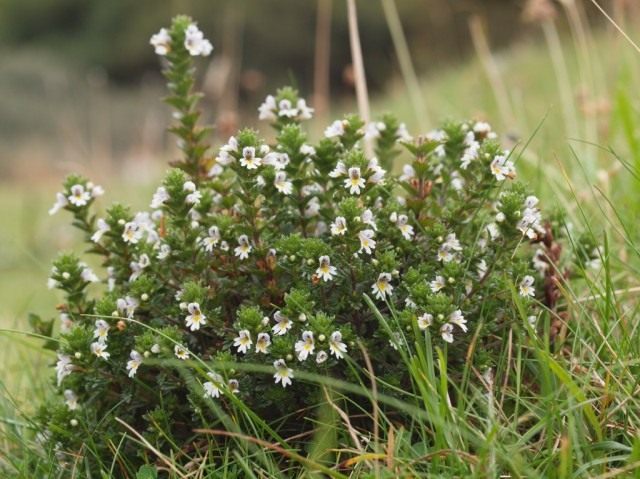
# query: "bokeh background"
{"points": [[80, 90]]}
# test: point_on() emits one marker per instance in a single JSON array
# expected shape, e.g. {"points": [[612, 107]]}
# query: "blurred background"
{"points": [[80, 91]]}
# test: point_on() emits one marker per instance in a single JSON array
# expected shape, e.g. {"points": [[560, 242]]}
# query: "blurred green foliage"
{"points": [[277, 37]]}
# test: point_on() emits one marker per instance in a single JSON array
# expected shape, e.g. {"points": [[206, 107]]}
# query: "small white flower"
{"points": [[127, 306], [249, 159], [382, 287], [88, 275], [63, 367], [307, 150], [321, 357], [283, 374], [286, 109], [336, 346], [212, 239], [100, 350], [313, 208], [159, 198], [70, 399], [367, 218], [181, 352], [234, 386], [102, 331], [482, 269], [212, 388], [79, 196], [458, 319], [305, 346], [339, 170], [425, 320], [437, 284], [502, 168], [244, 248], [367, 243], [65, 323], [278, 160], [283, 324], [446, 331], [355, 181], [339, 226], [195, 319], [325, 271], [526, 287], [161, 42], [263, 342], [61, 202], [408, 173], [405, 228], [195, 42], [102, 228], [243, 341], [134, 363], [282, 185], [305, 112], [266, 111], [335, 129], [132, 233], [403, 134], [373, 129]]}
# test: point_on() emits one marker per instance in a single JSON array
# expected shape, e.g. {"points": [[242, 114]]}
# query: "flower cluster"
{"points": [[274, 253]]}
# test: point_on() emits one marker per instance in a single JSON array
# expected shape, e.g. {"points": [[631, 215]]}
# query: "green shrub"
{"points": [[277, 258]]}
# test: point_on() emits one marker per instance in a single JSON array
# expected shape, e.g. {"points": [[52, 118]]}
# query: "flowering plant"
{"points": [[289, 254]]}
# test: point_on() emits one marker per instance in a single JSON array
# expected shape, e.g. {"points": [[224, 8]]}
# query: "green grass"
{"points": [[551, 410]]}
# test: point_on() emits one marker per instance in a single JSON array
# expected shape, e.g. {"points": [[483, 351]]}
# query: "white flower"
{"points": [[305, 112], [446, 331], [79, 196], [278, 160], [102, 331], [262, 343], [132, 233], [283, 374], [127, 305], [335, 129], [373, 129], [403, 134], [307, 150], [244, 248], [305, 346], [65, 323], [266, 111], [367, 242], [339, 226], [88, 275], [195, 319], [249, 159], [61, 202], [367, 218], [425, 321], [70, 399], [458, 319], [195, 42], [212, 239], [452, 243], [100, 350], [283, 324], [194, 196], [326, 272], [321, 357], [103, 227], [526, 287], [408, 173], [405, 228], [243, 341], [181, 352], [355, 181], [502, 168], [382, 287], [470, 154], [482, 269], [339, 170], [313, 207], [63, 367], [336, 346], [159, 198], [161, 42], [282, 185], [234, 386], [212, 388], [437, 284], [493, 230], [134, 363], [286, 109]]}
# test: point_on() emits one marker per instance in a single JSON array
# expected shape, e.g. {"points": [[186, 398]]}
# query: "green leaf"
{"points": [[147, 472]]}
